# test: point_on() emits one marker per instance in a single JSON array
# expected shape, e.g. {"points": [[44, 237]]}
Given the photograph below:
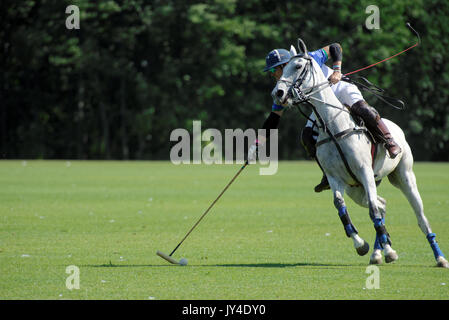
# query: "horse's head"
{"points": [[294, 73]]}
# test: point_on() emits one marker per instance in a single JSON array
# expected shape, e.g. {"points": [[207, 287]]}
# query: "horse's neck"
{"points": [[330, 109]]}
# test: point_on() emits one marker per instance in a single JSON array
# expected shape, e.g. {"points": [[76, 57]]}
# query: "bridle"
{"points": [[294, 90], [303, 96]]}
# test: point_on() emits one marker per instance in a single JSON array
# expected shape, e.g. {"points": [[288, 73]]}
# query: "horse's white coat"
{"points": [[357, 150]]}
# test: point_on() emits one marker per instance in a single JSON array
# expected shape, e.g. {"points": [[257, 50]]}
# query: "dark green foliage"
{"points": [[136, 70]]}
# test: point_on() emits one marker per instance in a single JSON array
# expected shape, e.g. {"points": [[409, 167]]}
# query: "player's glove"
{"points": [[252, 152]]}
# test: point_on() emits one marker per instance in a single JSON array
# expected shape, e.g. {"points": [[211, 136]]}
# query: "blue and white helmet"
{"points": [[275, 58]]}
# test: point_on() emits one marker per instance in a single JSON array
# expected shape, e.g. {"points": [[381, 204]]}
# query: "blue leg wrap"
{"points": [[377, 242], [378, 223], [346, 221], [349, 229], [382, 236], [434, 245]]}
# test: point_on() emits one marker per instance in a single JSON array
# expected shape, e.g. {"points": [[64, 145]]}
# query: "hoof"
{"points": [[442, 262], [363, 249], [376, 257], [391, 256]]}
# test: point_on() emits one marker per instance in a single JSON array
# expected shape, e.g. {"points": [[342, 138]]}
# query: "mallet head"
{"points": [[166, 257]]}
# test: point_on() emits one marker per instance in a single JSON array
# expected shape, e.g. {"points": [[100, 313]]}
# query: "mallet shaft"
{"points": [[204, 214]]}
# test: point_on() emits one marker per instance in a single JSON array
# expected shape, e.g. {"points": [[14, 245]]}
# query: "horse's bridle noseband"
{"points": [[294, 87]]}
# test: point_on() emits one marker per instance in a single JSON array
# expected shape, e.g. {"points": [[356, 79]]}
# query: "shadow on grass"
{"points": [[246, 265], [282, 265]]}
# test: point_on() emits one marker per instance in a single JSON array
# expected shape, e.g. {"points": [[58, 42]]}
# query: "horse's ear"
{"points": [[293, 51], [302, 47]]}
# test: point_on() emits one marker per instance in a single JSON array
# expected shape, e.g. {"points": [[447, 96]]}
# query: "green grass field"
{"points": [[268, 237]]}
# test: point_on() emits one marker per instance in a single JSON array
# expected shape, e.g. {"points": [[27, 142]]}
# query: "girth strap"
{"points": [[341, 135], [333, 138]]}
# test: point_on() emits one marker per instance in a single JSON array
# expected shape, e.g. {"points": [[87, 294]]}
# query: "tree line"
{"points": [[136, 70]]}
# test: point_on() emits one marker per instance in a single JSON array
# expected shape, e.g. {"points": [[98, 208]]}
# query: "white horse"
{"points": [[346, 157]]}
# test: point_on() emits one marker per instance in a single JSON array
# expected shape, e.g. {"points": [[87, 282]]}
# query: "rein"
{"points": [[375, 90], [299, 97]]}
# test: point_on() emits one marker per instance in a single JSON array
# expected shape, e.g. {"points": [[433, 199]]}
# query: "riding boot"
{"points": [[390, 144], [323, 185], [377, 127]]}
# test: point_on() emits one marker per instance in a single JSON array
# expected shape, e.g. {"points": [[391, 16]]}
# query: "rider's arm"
{"points": [[272, 122], [335, 52]]}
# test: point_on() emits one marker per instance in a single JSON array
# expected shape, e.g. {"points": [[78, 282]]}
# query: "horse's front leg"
{"points": [[382, 237], [361, 246], [358, 194]]}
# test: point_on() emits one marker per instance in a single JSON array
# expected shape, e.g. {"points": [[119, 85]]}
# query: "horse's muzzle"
{"points": [[280, 94]]}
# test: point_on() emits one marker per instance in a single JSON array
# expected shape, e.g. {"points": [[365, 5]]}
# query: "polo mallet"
{"points": [[169, 257], [395, 103], [372, 65]]}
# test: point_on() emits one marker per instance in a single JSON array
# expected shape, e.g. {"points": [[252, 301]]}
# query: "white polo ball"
{"points": [[183, 262]]}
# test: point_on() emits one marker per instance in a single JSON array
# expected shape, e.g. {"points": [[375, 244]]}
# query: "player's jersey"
{"points": [[320, 56]]}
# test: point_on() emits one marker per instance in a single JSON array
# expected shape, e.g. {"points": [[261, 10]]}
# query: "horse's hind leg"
{"points": [[361, 246], [358, 194], [404, 179]]}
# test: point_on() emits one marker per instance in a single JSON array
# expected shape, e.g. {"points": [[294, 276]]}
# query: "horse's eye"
{"points": [[298, 66]]}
